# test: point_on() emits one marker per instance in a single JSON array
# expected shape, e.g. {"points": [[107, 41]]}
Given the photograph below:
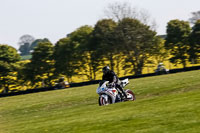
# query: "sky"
{"points": [[54, 19]]}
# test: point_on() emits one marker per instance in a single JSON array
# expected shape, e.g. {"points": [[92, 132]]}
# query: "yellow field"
{"points": [[149, 68]]}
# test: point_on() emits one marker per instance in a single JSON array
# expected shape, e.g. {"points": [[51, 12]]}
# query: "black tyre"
{"points": [[102, 101]]}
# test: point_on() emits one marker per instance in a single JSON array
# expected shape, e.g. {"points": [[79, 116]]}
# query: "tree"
{"points": [[41, 66], [162, 53], [104, 40], [120, 10], [195, 17], [25, 49], [8, 59], [137, 41], [194, 51], [177, 41], [82, 37], [25, 43], [66, 58], [36, 42]]}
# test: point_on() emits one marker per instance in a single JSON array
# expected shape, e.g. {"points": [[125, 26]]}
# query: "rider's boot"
{"points": [[123, 92]]}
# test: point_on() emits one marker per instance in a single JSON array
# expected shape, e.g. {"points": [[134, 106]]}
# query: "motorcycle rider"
{"points": [[110, 76]]}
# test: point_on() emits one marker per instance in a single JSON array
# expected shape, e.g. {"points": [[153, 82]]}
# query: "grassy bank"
{"points": [[167, 103]]}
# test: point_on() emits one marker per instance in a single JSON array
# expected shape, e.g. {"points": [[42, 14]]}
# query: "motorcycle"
{"points": [[109, 94]]}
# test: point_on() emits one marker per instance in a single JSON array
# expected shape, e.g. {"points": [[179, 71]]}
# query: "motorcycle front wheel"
{"points": [[103, 101]]}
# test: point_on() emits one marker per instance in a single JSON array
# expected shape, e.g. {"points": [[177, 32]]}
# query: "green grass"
{"points": [[26, 57], [165, 104]]}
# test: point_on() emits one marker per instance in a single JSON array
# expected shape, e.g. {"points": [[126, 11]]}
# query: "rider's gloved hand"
{"points": [[110, 85]]}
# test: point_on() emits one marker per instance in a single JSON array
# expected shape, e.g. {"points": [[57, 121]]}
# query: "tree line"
{"points": [[126, 43]]}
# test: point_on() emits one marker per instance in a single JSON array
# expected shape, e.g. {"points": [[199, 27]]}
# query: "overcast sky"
{"points": [[54, 19]]}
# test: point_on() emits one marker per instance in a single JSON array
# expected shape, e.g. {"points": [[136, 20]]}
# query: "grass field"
{"points": [[165, 104]]}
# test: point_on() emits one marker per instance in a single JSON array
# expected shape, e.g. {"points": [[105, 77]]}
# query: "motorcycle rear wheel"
{"points": [[131, 93]]}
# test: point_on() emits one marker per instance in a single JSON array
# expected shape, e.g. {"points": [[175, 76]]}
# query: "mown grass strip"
{"points": [[167, 103]]}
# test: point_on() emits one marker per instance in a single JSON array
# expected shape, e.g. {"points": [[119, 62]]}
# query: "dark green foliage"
{"points": [[194, 51], [137, 41], [88, 61], [177, 41], [36, 42], [8, 59], [41, 66], [66, 58], [28, 43], [103, 41], [8, 54], [76, 54]]}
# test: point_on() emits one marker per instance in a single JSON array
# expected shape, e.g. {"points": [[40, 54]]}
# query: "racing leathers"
{"points": [[112, 78]]}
